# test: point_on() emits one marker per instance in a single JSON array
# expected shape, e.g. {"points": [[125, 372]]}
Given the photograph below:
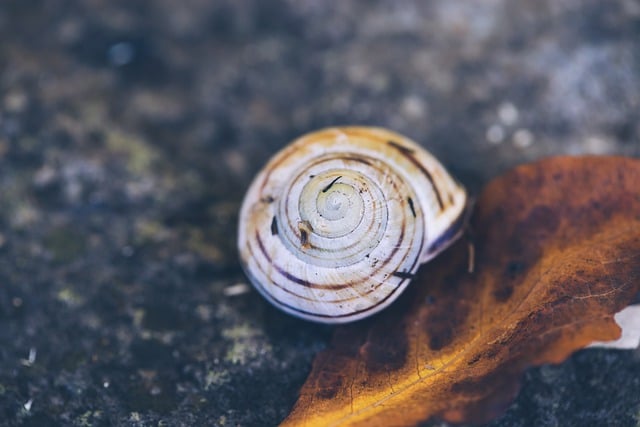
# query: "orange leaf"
{"points": [[557, 255]]}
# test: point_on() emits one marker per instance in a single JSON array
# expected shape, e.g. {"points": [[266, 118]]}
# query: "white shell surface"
{"points": [[333, 228]]}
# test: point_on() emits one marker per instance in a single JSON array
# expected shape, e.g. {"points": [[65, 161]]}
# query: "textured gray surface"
{"points": [[129, 131]]}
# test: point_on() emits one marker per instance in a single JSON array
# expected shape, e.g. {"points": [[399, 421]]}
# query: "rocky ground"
{"points": [[129, 132]]}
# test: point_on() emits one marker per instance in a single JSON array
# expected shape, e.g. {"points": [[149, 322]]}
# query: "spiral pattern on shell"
{"points": [[337, 223]]}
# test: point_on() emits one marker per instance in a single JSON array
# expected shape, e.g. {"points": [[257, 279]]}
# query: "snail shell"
{"points": [[336, 224]]}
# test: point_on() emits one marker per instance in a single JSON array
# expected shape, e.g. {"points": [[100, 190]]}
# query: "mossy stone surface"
{"points": [[129, 132]]}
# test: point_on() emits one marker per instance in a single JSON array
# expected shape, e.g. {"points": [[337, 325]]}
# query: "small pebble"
{"points": [[595, 145], [32, 356], [236, 162], [413, 107], [508, 113], [495, 134], [127, 251], [44, 176], [235, 290], [121, 54], [15, 102], [522, 138]]}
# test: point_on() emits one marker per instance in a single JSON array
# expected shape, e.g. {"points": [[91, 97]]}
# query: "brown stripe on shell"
{"points": [[267, 199], [325, 189], [401, 147], [342, 248], [303, 282], [290, 276], [397, 246], [308, 284], [413, 209], [341, 156], [288, 151], [456, 226], [403, 274], [262, 248], [273, 167], [305, 230], [347, 157], [408, 153], [328, 316]]}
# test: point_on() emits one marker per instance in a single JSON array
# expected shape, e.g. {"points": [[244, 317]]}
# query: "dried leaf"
{"points": [[557, 249]]}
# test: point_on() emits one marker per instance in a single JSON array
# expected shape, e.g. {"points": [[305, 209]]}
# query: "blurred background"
{"points": [[129, 131]]}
